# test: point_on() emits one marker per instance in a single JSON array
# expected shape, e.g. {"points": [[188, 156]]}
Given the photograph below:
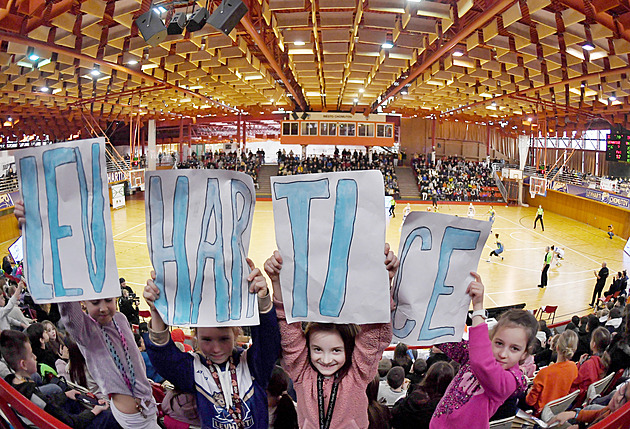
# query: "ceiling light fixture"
{"points": [[44, 89], [95, 73], [494, 103], [613, 97], [387, 45], [361, 90], [299, 43], [458, 53], [588, 46], [356, 100], [132, 62], [33, 57]]}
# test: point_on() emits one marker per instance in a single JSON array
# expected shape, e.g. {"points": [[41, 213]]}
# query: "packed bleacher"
{"points": [[289, 164], [248, 163], [453, 178], [586, 360]]}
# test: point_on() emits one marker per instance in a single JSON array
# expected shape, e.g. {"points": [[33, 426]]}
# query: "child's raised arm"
{"points": [[475, 290], [374, 338], [273, 265], [151, 293]]}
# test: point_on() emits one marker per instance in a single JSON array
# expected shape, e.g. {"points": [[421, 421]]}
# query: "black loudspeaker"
{"points": [[151, 27], [294, 116], [227, 15], [197, 20], [177, 24], [304, 115]]}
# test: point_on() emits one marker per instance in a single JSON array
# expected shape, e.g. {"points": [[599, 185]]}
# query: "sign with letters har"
{"points": [[198, 228], [437, 253], [330, 231], [69, 246]]}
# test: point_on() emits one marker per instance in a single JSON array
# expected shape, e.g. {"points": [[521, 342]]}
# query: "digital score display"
{"points": [[617, 148]]}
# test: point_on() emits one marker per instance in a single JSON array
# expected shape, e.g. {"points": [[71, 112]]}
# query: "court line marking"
{"points": [[130, 242], [127, 230], [535, 288], [135, 268], [493, 301], [564, 246]]}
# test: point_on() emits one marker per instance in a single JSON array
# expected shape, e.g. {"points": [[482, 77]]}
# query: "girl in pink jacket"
{"points": [[489, 372], [330, 364]]}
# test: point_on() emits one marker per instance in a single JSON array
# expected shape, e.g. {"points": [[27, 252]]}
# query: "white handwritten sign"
{"points": [[437, 253], [330, 231], [69, 247], [198, 228]]}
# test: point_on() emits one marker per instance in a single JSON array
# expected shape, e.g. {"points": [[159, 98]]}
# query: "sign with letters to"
{"points": [[198, 229], [437, 253], [330, 231], [68, 241]]}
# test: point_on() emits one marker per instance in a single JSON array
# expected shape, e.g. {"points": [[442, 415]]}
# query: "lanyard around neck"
{"points": [[326, 418], [236, 411], [130, 380]]}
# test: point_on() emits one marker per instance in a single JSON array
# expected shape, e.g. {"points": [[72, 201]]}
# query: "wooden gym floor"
{"points": [[511, 281]]}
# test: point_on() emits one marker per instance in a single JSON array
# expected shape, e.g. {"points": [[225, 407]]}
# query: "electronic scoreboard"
{"points": [[618, 146]]}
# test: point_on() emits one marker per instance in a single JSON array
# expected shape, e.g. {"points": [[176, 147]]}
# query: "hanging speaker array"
{"points": [[224, 18]]}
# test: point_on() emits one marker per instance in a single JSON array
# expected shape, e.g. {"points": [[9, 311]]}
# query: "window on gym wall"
{"points": [[384, 130], [328, 129], [366, 130], [290, 129], [347, 129], [309, 128]]}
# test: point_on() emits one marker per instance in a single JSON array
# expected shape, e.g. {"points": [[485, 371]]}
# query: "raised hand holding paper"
{"points": [[198, 229], [437, 253], [69, 246], [330, 231]]}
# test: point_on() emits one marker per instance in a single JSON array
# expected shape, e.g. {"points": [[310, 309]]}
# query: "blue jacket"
{"points": [[189, 372]]}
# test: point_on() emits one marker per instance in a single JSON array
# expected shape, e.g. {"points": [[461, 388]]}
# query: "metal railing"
{"points": [[499, 184]]}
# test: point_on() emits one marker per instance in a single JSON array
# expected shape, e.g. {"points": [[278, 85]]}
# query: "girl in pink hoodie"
{"points": [[489, 372], [330, 364]]}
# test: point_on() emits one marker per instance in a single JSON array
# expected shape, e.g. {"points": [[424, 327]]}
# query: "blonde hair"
{"points": [[566, 345]]}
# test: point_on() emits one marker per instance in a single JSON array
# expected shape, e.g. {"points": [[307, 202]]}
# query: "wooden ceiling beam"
{"points": [[18, 38], [601, 17], [487, 15], [298, 97]]}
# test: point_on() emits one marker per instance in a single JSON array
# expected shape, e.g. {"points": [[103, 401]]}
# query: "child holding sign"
{"points": [[230, 384], [330, 364], [489, 373], [107, 343]]}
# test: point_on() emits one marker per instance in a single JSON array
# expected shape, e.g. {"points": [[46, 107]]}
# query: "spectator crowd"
{"points": [[453, 178], [248, 163], [289, 164]]}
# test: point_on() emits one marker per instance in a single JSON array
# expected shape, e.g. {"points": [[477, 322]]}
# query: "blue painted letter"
{"points": [[175, 252], [334, 294], [239, 265], [299, 196], [51, 160], [211, 250], [425, 235], [33, 230], [454, 239]]}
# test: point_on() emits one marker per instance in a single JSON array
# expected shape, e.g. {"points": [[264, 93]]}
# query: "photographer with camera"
{"points": [[128, 303]]}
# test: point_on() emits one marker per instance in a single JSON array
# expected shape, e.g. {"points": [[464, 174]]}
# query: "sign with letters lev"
{"points": [[437, 253], [330, 231], [198, 228], [69, 246]]}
